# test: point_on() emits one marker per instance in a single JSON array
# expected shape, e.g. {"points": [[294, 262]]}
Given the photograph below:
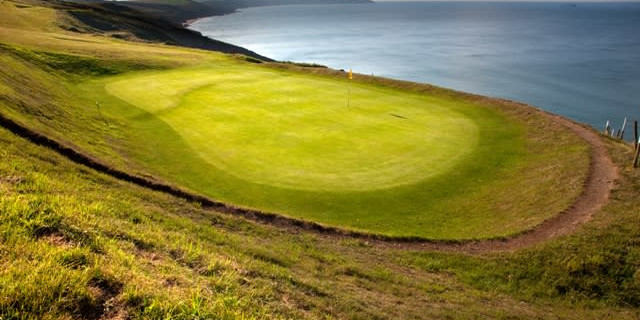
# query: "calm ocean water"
{"points": [[578, 60]]}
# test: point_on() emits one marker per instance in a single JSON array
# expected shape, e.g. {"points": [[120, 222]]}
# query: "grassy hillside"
{"points": [[79, 244], [400, 162], [389, 162], [75, 243]]}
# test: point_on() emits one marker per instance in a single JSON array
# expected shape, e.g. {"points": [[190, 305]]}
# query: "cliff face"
{"points": [[129, 21], [165, 20], [262, 3], [181, 11]]}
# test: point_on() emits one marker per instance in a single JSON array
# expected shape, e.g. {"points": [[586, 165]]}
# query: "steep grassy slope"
{"points": [[114, 20], [74, 243], [78, 244]]}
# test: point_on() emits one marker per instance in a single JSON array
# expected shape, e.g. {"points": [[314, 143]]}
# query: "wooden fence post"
{"points": [[635, 133], [637, 155]]}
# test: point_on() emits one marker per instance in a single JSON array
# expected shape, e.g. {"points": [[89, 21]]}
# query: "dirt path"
{"points": [[599, 182]]}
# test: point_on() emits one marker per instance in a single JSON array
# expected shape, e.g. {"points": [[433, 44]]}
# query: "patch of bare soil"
{"points": [[59, 240]]}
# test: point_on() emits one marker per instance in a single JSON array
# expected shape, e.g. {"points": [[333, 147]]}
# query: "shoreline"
{"points": [[188, 22]]}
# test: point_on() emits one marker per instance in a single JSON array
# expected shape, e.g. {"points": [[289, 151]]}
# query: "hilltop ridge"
{"points": [[180, 11], [131, 23]]}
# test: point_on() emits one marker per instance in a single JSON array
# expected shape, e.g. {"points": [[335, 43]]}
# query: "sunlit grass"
{"points": [[302, 133], [374, 155], [75, 244], [387, 161]]}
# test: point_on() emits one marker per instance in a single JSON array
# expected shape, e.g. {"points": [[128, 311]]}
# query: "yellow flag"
{"points": [[350, 74]]}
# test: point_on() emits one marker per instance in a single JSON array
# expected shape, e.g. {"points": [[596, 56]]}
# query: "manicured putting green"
{"points": [[347, 154], [307, 134]]}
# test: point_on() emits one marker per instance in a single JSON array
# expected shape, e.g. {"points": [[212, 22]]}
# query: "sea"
{"points": [[580, 59]]}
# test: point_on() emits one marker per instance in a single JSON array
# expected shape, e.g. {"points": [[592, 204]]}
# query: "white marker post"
{"points": [[624, 125]]}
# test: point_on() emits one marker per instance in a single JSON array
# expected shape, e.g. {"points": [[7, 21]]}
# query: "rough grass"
{"points": [[39, 18], [599, 264], [76, 244]]}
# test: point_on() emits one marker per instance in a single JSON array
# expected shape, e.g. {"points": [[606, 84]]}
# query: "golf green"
{"points": [[339, 152], [307, 134]]}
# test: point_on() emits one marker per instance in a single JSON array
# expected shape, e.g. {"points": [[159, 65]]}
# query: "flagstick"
{"points": [[350, 75]]}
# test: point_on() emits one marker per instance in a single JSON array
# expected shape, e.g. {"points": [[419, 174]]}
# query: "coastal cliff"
{"points": [[164, 20], [185, 10], [132, 23]]}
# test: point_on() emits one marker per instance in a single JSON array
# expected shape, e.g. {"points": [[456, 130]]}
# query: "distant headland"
{"points": [[184, 11]]}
